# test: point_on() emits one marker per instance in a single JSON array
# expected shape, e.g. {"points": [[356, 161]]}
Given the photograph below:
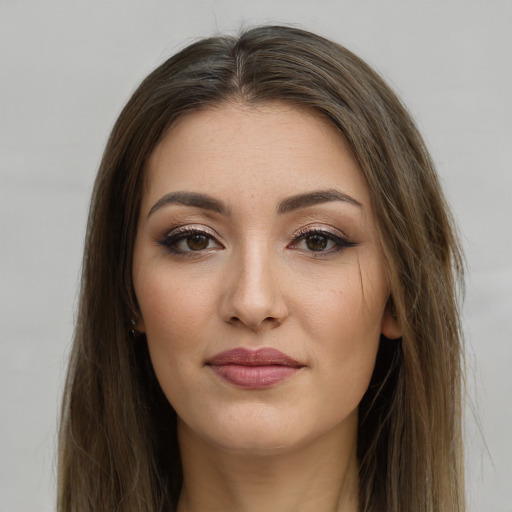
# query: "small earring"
{"points": [[135, 333]]}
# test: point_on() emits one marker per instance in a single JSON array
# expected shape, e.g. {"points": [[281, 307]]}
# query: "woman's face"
{"points": [[259, 275]]}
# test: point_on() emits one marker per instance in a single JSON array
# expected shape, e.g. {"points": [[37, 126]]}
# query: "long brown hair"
{"points": [[118, 447]]}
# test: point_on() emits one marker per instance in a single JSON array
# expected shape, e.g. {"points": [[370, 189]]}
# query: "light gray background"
{"points": [[67, 68]]}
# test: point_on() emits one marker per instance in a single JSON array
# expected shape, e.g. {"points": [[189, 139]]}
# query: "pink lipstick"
{"points": [[254, 369]]}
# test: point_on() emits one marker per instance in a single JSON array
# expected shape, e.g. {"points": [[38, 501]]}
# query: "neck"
{"points": [[321, 475]]}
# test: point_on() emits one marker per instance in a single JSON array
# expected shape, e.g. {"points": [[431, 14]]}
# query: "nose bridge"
{"points": [[253, 296]]}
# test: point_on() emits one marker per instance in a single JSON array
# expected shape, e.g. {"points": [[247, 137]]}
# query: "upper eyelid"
{"points": [[190, 228], [298, 233], [320, 228]]}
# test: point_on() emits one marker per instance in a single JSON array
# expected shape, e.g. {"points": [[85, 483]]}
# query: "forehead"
{"points": [[242, 151]]}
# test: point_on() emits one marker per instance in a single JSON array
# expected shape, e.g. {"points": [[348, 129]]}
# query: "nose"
{"points": [[253, 292]]}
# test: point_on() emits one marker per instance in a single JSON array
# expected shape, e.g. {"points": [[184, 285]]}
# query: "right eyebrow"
{"points": [[315, 197], [203, 201]]}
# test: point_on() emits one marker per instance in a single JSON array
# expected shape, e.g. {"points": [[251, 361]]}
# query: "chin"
{"points": [[259, 430], [267, 434], [257, 442]]}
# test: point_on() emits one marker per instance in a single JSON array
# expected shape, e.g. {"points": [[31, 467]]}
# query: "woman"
{"points": [[268, 317]]}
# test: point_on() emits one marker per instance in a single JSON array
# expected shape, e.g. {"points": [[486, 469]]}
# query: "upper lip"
{"points": [[261, 357]]}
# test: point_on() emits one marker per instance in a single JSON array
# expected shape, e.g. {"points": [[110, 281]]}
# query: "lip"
{"points": [[254, 369]]}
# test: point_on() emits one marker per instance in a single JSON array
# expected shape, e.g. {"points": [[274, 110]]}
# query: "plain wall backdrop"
{"points": [[66, 70]]}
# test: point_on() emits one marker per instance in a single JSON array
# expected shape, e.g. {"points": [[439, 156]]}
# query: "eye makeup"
{"points": [[319, 241], [194, 240], [190, 240]]}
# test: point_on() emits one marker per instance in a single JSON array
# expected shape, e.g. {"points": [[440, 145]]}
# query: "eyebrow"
{"points": [[287, 205], [196, 199], [313, 198]]}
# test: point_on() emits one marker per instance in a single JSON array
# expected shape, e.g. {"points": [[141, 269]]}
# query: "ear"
{"points": [[390, 326]]}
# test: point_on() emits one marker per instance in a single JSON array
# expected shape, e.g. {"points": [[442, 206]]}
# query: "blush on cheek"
{"points": [[173, 315]]}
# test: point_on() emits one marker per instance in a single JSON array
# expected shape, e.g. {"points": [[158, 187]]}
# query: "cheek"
{"points": [[345, 325], [176, 314], [173, 307], [350, 344], [343, 311], [174, 348]]}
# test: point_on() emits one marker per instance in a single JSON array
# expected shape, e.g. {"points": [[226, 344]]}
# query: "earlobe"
{"points": [[391, 327], [138, 327]]}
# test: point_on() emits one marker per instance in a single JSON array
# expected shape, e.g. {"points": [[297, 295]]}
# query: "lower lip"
{"points": [[254, 377]]}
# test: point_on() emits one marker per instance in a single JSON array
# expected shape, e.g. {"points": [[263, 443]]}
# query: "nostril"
{"points": [[268, 322], [271, 321]]}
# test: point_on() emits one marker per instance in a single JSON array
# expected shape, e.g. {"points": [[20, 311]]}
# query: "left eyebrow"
{"points": [[194, 199], [312, 198]]}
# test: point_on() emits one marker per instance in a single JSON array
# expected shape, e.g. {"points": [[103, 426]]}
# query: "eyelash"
{"points": [[340, 242], [171, 240]]}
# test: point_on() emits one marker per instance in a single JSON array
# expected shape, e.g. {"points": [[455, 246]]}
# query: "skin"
{"points": [[257, 280]]}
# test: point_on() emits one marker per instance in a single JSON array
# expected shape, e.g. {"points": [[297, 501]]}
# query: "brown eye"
{"points": [[316, 242], [197, 242], [190, 241], [319, 242]]}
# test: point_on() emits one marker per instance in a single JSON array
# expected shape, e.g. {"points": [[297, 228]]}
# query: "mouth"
{"points": [[254, 369]]}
